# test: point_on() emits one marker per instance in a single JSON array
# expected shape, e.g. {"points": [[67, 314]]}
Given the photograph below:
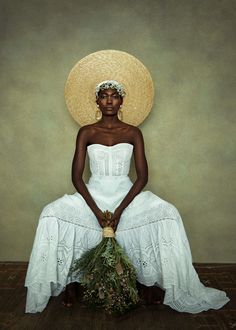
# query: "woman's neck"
{"points": [[109, 121]]}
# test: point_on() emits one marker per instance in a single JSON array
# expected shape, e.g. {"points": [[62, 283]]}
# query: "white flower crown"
{"points": [[113, 84]]}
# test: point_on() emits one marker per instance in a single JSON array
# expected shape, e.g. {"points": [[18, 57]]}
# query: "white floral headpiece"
{"points": [[113, 84]]}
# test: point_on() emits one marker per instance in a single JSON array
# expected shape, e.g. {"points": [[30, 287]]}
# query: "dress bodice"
{"points": [[110, 160]]}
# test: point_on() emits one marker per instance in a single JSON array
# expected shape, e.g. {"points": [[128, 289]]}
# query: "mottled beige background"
{"points": [[189, 48]]}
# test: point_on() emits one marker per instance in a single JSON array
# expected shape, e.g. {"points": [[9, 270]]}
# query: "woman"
{"points": [[109, 131], [148, 228]]}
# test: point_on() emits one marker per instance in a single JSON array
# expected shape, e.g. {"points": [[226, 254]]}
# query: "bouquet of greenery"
{"points": [[107, 275]]}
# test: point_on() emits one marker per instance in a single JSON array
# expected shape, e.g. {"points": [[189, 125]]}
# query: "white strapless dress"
{"points": [[150, 231]]}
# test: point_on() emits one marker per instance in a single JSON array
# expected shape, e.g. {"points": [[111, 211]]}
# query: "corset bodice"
{"points": [[110, 160]]}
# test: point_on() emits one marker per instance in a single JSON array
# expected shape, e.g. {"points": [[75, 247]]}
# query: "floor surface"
{"points": [[56, 316]]}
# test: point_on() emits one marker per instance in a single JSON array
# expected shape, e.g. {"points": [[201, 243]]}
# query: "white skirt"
{"points": [[150, 231]]}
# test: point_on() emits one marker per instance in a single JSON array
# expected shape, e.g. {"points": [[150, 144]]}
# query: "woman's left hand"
{"points": [[116, 218]]}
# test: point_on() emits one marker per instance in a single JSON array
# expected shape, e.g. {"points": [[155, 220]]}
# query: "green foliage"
{"points": [[108, 277]]}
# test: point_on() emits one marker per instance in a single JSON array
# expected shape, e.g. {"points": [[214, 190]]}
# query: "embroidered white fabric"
{"points": [[150, 231]]}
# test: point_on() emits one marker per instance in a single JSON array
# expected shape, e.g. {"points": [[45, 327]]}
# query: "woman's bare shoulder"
{"points": [[134, 131], [133, 134], [85, 133], [87, 130]]}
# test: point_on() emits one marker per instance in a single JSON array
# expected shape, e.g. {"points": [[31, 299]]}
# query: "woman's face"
{"points": [[109, 101]]}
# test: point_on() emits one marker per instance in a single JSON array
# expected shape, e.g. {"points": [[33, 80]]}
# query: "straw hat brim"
{"points": [[109, 65]]}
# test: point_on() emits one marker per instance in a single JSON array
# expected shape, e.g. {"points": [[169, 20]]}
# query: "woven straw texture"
{"points": [[104, 65]]}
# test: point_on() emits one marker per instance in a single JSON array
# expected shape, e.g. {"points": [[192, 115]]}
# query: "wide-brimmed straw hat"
{"points": [[109, 65]]}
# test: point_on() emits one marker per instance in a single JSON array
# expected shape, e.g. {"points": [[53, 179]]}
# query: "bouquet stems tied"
{"points": [[107, 274]]}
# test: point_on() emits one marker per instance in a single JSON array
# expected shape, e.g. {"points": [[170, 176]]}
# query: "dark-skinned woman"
{"points": [[149, 229]]}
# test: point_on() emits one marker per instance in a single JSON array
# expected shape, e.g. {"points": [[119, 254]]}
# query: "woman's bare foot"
{"points": [[69, 297]]}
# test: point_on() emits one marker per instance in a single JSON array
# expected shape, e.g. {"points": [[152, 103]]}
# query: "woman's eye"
{"points": [[116, 96]]}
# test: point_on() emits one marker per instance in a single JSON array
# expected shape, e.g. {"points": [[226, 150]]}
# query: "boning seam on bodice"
{"points": [[110, 160]]}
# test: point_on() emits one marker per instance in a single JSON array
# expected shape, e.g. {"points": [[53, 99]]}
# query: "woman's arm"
{"points": [[141, 171], [78, 169]]}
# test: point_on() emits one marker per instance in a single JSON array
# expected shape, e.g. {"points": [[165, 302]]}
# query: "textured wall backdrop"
{"points": [[189, 48]]}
